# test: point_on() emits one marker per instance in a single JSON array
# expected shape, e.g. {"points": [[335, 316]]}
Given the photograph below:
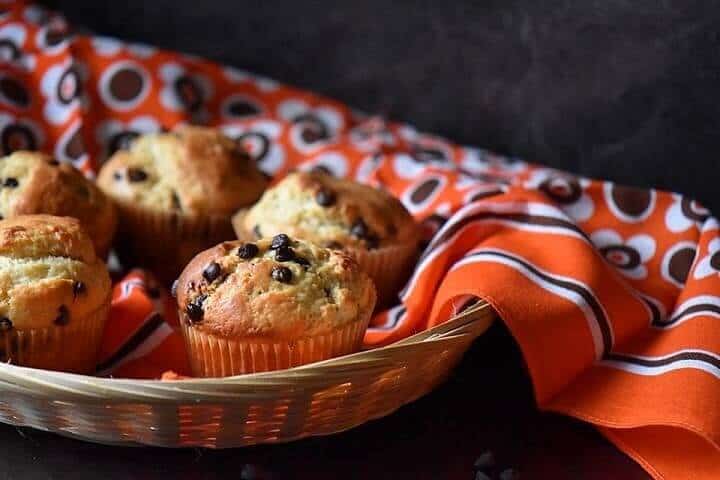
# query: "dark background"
{"points": [[623, 90], [620, 89]]}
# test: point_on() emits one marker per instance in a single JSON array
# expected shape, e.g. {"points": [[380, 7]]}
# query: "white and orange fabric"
{"points": [[613, 293]]}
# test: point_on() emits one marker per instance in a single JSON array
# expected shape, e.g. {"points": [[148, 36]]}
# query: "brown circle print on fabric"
{"points": [[124, 85], [680, 263], [16, 137], [69, 86], [312, 129], [628, 203], [693, 210], [561, 189], [622, 256], [255, 143], [189, 93], [9, 52], [238, 106], [13, 92]]}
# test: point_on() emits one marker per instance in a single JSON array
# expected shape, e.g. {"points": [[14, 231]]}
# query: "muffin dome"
{"points": [[190, 171], [34, 183], [331, 212], [49, 273], [278, 289]]}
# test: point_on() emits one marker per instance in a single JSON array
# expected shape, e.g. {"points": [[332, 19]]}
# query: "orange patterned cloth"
{"points": [[612, 293]]}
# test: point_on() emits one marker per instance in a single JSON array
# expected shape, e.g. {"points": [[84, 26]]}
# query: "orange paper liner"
{"points": [[389, 267], [164, 242], [69, 348], [213, 356]]}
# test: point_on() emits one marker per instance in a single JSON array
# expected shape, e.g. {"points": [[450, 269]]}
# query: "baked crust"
{"points": [[35, 184], [49, 272], [189, 171], [242, 297], [329, 211]]}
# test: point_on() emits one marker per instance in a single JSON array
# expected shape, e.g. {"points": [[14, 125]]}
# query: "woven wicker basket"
{"points": [[317, 399]]}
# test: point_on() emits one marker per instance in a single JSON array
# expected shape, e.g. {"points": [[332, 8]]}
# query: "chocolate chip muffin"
{"points": [[54, 294], [340, 214], [175, 193], [271, 304], [35, 183]]}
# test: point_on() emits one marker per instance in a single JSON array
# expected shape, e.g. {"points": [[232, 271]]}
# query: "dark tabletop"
{"points": [[486, 405]]}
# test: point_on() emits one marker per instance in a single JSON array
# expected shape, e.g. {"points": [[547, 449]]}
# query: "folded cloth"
{"points": [[613, 293]]}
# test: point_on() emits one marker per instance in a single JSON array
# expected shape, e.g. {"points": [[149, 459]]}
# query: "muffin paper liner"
{"points": [[164, 242], [69, 348], [213, 356], [388, 267]]}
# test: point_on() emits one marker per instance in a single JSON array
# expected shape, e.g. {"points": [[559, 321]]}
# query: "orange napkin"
{"points": [[613, 293]]}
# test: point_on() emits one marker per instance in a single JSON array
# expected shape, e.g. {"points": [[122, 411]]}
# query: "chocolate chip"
{"points": [[302, 261], [63, 317], [5, 324], [194, 310], [11, 182], [281, 274], [79, 288], [324, 197], [248, 251], [284, 254], [2, 218], [509, 474], [212, 271], [136, 174], [173, 289], [53, 162], [256, 231], [359, 229], [176, 201], [280, 240], [334, 245], [485, 460], [117, 175]]}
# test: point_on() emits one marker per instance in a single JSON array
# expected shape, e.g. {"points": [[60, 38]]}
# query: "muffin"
{"points": [[269, 305], [34, 183], [175, 193], [340, 214], [54, 294]]}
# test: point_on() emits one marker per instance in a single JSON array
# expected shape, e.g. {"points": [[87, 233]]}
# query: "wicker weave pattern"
{"points": [[316, 399]]}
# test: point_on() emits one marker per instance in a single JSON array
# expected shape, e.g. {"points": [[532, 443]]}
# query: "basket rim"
{"points": [[62, 386]]}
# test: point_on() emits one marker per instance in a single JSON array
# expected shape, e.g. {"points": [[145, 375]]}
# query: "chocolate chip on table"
{"points": [[173, 289], [211, 272], [256, 231], [281, 274], [248, 251], [284, 254], [79, 288], [63, 317], [280, 240], [136, 174], [509, 474], [485, 460], [324, 197], [11, 182], [5, 324], [194, 309]]}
